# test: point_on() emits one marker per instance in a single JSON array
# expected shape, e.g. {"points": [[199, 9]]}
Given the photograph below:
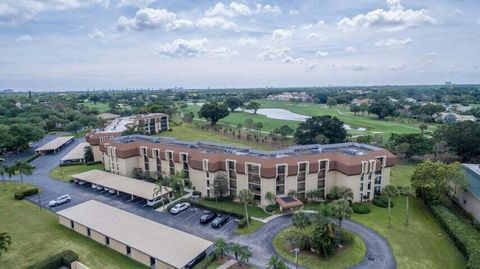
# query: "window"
{"points": [[280, 179], [301, 177], [89, 232], [171, 163], [186, 167], [361, 186], [205, 168], [254, 180], [107, 240], [129, 250], [322, 175], [232, 176], [158, 161], [72, 225], [143, 152], [152, 261]]}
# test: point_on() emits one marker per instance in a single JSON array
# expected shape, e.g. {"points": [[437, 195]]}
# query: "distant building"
{"points": [[469, 198], [458, 108], [290, 96], [450, 117], [411, 100], [108, 116], [359, 102], [6, 91]]}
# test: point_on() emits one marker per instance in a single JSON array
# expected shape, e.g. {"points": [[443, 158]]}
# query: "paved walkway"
{"points": [[379, 254]]}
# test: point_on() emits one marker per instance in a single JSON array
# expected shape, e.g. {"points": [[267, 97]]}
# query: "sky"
{"points": [[104, 44]]}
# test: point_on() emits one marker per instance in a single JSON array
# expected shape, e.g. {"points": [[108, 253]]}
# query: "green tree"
{"points": [[382, 109], [244, 254], [162, 187], [220, 185], [23, 168], [390, 191], [259, 127], [301, 221], [434, 180], [270, 197], [323, 238], [462, 138], [3, 171], [275, 263], [355, 109], [235, 249], [233, 103], [418, 144], [5, 242], [221, 247], [73, 126], [331, 102], [248, 123], [340, 192], [246, 196], [341, 209], [178, 180], [253, 106], [130, 130], [423, 127], [328, 126], [88, 154], [213, 112], [407, 192], [283, 131]]}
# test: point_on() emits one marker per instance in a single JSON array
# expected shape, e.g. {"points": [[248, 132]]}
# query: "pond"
{"points": [[283, 114]]}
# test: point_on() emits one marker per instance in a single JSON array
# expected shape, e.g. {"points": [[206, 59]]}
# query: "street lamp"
{"points": [[296, 251]]}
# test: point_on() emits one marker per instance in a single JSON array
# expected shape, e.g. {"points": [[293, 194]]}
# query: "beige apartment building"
{"points": [[299, 169]]}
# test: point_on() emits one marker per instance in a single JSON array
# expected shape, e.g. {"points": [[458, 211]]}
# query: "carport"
{"points": [[76, 155], [128, 185], [54, 145]]}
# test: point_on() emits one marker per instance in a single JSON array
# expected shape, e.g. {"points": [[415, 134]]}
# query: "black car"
{"points": [[207, 217], [220, 221]]}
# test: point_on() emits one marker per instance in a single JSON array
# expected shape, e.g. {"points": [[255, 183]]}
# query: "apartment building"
{"points": [[363, 168]]}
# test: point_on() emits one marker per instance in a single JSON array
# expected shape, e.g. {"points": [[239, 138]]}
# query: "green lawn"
{"points": [[192, 133], [343, 259], [402, 172], [419, 244], [254, 225], [70, 170], [237, 208], [37, 235], [102, 107]]}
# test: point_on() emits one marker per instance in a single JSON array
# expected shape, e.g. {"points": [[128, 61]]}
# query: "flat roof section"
{"points": [[55, 143], [164, 243], [124, 184], [76, 153], [472, 175]]}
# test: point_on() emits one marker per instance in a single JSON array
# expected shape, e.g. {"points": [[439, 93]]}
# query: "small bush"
{"points": [[93, 163], [32, 157], [361, 208], [197, 193], [64, 258], [243, 222], [382, 201], [19, 195], [272, 208], [346, 238], [219, 211], [219, 199]]}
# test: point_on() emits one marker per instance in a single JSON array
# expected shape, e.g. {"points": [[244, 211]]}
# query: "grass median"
{"points": [[70, 170]]}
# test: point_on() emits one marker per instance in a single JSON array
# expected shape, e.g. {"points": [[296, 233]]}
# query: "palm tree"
{"points": [[275, 263], [163, 184], [88, 154], [390, 192], [23, 168], [235, 248], [10, 170], [246, 196], [244, 254], [3, 170], [269, 196], [221, 247], [5, 242], [178, 180], [407, 192]]}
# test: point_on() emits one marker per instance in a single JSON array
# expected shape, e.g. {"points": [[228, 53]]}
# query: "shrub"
{"points": [[382, 201], [64, 258], [211, 208], [32, 157], [464, 236], [346, 238], [219, 198], [361, 208], [206, 262], [243, 222], [93, 163], [19, 195], [198, 193], [272, 208]]}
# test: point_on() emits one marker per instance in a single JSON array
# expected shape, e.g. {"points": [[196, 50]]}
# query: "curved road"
{"points": [[378, 254]]}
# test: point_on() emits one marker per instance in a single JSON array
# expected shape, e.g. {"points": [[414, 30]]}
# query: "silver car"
{"points": [[60, 200], [179, 208]]}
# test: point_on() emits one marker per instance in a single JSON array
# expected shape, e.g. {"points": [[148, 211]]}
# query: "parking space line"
{"points": [[195, 214]]}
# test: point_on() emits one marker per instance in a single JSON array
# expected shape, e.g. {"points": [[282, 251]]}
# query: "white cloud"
{"points": [[351, 49], [293, 60], [223, 52], [478, 21], [293, 12], [314, 36], [247, 41], [280, 34], [232, 10], [311, 67], [135, 3], [396, 67], [433, 54], [24, 38], [358, 67], [395, 18], [150, 18], [262, 9], [184, 48], [272, 53], [96, 34], [321, 53], [392, 42], [216, 22]]}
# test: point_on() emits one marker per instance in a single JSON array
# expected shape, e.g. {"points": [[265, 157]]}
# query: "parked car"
{"points": [[178, 208], [94, 186], [220, 221], [60, 200], [81, 182], [99, 188], [112, 191], [195, 261], [154, 202], [76, 180], [208, 217]]}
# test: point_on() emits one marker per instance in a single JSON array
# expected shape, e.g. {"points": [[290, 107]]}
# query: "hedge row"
{"points": [[382, 201], [32, 157], [64, 258], [20, 194], [361, 208], [465, 237], [243, 222]]}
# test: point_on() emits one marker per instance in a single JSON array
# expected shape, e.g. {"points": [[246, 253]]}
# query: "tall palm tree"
{"points": [[10, 171], [221, 247], [246, 196], [235, 248], [390, 191], [5, 242], [269, 196], [275, 263], [407, 192], [178, 180], [244, 254], [23, 168], [162, 187], [3, 171]]}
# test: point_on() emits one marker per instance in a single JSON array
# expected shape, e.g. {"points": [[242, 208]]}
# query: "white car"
{"points": [[112, 191], [94, 186], [99, 188], [60, 200], [179, 208], [81, 182], [155, 201]]}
